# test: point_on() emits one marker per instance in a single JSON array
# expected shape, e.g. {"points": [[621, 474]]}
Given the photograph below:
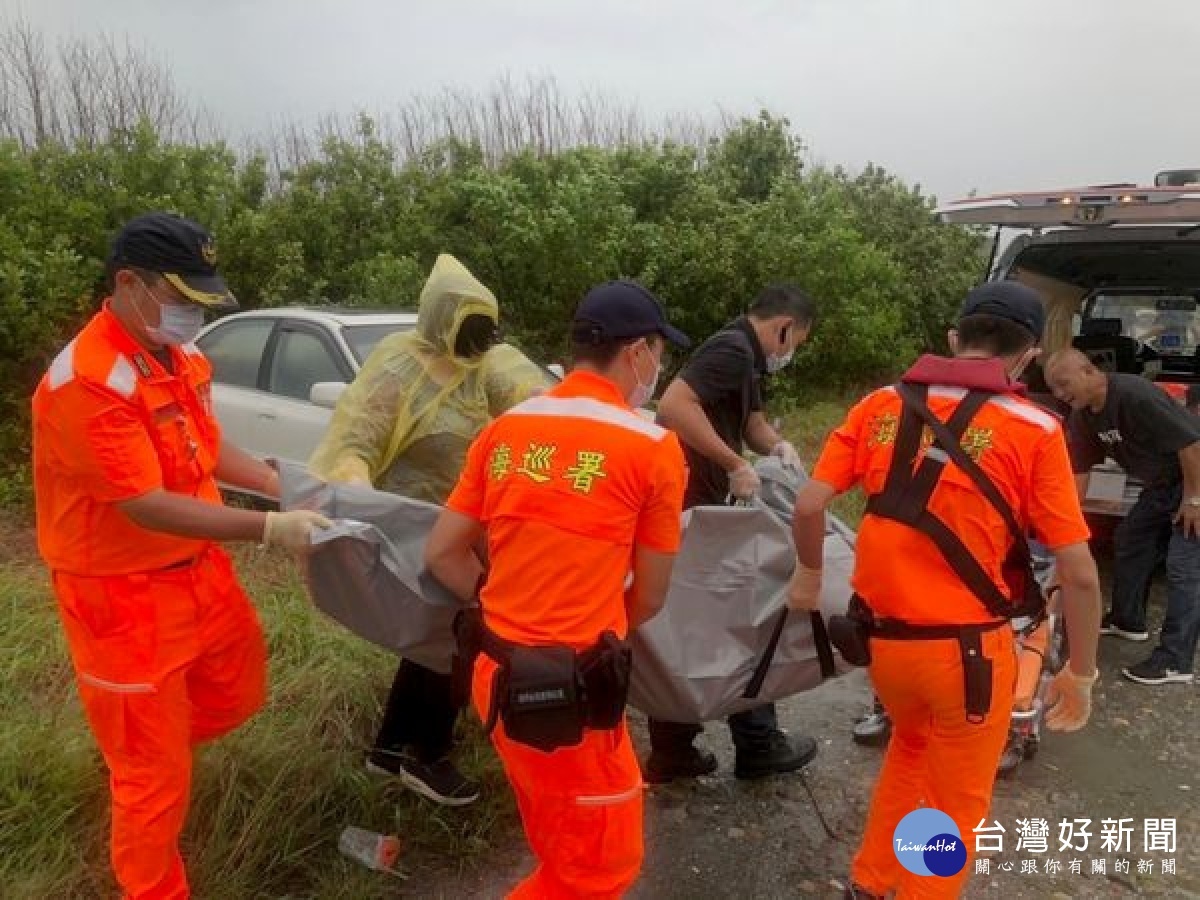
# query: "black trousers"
{"points": [[751, 731], [420, 714]]}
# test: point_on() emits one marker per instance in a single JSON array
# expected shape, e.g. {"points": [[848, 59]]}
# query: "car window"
{"points": [[235, 350], [301, 360], [362, 339]]}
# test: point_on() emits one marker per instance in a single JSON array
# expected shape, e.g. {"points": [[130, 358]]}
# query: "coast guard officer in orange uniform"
{"points": [[166, 647]]}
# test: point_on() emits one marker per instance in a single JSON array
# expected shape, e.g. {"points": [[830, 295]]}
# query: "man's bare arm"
{"points": [[681, 411], [188, 517], [651, 579], [238, 468], [450, 553], [1076, 572]]}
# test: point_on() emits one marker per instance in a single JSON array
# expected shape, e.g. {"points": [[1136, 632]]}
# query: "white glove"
{"points": [[787, 455], [744, 482], [293, 530], [1069, 700], [804, 591]]}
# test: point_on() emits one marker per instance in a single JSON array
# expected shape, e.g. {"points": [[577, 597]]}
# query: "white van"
{"points": [[1119, 268]]}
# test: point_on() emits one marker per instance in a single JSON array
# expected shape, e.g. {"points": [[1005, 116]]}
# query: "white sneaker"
{"points": [[1136, 636], [1149, 672]]}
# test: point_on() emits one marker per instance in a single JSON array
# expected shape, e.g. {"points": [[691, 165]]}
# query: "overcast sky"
{"points": [[952, 94]]}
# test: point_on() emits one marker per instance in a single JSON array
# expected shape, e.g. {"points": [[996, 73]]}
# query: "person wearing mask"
{"points": [[167, 649], [580, 500], [404, 426], [1157, 441], [957, 468], [715, 405]]}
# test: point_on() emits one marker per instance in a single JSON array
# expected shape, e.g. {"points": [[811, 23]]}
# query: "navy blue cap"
{"points": [[180, 250], [622, 309], [1007, 300]]}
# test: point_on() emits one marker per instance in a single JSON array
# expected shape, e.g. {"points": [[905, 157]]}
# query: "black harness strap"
{"points": [[909, 487]]}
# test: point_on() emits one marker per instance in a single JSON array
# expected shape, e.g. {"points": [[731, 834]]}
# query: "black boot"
{"points": [[781, 754]]}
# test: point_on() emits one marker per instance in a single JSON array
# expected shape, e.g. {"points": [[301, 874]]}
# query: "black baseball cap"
{"points": [[180, 250], [1007, 300], [622, 309]]}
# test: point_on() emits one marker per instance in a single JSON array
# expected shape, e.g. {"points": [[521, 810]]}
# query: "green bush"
{"points": [[706, 227]]}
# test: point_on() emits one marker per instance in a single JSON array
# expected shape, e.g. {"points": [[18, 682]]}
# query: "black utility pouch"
{"points": [[540, 702], [604, 671], [852, 638], [977, 678]]}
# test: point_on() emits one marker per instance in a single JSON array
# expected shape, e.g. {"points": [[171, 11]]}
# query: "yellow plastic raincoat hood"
{"points": [[407, 420]]}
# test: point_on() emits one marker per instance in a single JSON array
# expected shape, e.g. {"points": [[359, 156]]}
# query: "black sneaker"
{"points": [[783, 754], [439, 781], [1109, 627], [693, 764], [1150, 671], [873, 729]]}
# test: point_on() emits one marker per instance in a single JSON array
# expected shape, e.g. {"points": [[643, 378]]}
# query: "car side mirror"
{"points": [[557, 371], [326, 393]]}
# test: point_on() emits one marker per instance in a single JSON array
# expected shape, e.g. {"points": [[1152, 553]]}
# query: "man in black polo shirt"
{"points": [[1157, 441], [715, 405]]}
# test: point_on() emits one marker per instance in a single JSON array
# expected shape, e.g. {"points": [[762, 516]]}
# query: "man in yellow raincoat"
{"points": [[404, 426]]}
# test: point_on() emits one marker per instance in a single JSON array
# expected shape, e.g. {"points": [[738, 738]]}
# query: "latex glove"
{"points": [[804, 590], [293, 530], [787, 455], [1069, 700], [744, 482]]}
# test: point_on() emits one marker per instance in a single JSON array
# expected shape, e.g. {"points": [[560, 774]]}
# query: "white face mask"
{"points": [[775, 361], [177, 323], [643, 392]]}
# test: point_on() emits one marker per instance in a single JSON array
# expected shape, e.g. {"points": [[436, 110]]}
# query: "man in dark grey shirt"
{"points": [[1157, 441]]}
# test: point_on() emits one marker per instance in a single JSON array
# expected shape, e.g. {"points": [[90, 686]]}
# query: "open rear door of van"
{"points": [[1122, 204]]}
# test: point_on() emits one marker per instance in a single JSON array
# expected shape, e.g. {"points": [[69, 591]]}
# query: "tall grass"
{"points": [[268, 801]]}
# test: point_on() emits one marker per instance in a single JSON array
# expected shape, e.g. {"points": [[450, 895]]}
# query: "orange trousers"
{"points": [[935, 758], [163, 661], [581, 808]]}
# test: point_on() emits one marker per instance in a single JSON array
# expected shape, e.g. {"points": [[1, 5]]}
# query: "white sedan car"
{"points": [[277, 373]]}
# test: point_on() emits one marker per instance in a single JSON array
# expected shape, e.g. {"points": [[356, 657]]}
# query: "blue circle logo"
{"points": [[927, 842]]}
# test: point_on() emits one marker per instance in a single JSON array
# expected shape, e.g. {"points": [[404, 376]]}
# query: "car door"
{"points": [[301, 354], [236, 348]]}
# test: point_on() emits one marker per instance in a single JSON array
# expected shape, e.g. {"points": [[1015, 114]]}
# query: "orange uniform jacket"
{"points": [[110, 424], [567, 484], [899, 571]]}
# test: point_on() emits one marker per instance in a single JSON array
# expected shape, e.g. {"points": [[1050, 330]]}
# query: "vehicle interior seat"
{"points": [[1107, 348]]}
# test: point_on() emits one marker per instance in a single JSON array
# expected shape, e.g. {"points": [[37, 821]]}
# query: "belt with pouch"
{"points": [[547, 696], [852, 634]]}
